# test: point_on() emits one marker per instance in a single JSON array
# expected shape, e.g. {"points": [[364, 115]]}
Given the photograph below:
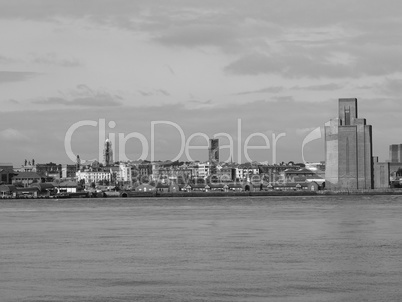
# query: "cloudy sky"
{"points": [[277, 66]]}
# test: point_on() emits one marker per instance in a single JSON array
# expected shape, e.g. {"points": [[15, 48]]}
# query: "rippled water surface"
{"points": [[202, 249]]}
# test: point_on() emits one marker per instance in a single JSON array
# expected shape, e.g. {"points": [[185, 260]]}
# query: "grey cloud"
{"points": [[323, 87], [316, 64], [170, 69], [52, 101], [49, 9], [378, 60], [6, 60], [53, 59], [12, 135], [273, 89], [208, 102], [285, 98], [392, 86], [98, 100], [197, 35], [292, 66], [16, 76], [13, 101], [154, 92], [236, 26], [84, 89], [164, 92], [287, 12], [143, 93]]}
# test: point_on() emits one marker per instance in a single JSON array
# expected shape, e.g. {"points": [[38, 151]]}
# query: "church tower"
{"points": [[108, 153]]}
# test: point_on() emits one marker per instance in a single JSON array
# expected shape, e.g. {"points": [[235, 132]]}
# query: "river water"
{"points": [[338, 248]]}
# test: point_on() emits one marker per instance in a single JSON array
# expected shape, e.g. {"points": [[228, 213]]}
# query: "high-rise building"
{"points": [[348, 148], [395, 153], [108, 153], [213, 154]]}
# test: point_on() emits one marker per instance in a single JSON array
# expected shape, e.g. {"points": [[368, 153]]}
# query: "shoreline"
{"points": [[133, 194]]}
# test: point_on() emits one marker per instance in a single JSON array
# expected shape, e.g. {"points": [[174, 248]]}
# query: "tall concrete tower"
{"points": [[108, 153], [348, 148]]}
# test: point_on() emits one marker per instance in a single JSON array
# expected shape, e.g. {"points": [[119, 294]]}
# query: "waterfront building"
{"points": [[276, 172], [145, 188], [6, 173], [348, 149], [93, 176], [244, 172], [226, 173], [145, 169], [172, 174], [124, 174], [68, 186], [68, 171], [389, 173], [26, 178], [49, 170], [28, 166], [302, 175], [203, 170], [7, 191]]}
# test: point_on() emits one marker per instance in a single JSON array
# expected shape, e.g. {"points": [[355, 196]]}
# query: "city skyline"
{"points": [[280, 67]]}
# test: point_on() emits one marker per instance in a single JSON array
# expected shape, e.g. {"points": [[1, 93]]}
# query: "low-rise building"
{"points": [[94, 176], [7, 191], [145, 188], [26, 178], [68, 171], [6, 173], [68, 186], [246, 171]]}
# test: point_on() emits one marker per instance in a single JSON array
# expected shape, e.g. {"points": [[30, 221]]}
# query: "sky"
{"points": [[264, 73]]}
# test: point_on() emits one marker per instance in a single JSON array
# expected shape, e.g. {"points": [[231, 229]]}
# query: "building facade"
{"points": [[26, 178], [6, 173], [389, 173], [94, 176], [124, 173], [348, 148]]}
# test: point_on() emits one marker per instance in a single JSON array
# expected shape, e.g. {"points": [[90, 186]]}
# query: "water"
{"points": [[202, 249]]}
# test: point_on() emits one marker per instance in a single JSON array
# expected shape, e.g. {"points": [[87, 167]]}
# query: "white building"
{"points": [[92, 176], [124, 173], [203, 170], [245, 172]]}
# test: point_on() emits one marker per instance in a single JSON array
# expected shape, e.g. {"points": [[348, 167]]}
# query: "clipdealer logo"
{"points": [[148, 147]]}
